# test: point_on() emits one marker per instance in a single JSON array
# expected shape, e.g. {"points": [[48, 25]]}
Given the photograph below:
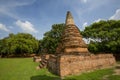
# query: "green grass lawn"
{"points": [[25, 69], [22, 69], [95, 75]]}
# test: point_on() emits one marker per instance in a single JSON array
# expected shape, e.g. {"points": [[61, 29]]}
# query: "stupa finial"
{"points": [[69, 18]]}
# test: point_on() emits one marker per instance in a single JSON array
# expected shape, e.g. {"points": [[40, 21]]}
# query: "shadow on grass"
{"points": [[69, 79], [44, 77]]}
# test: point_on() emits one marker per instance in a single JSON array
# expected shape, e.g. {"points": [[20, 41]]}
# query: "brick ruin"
{"points": [[71, 41], [64, 65], [72, 55]]}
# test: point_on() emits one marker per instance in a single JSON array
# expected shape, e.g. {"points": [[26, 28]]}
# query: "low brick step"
{"points": [[43, 63], [40, 66]]}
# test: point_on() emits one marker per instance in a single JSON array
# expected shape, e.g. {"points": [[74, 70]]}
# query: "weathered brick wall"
{"points": [[53, 64], [74, 64]]}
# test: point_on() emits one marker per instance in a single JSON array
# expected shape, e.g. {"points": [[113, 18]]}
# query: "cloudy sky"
{"points": [[37, 16]]}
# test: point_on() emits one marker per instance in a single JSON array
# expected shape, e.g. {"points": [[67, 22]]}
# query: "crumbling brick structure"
{"points": [[64, 65], [71, 42], [72, 56]]}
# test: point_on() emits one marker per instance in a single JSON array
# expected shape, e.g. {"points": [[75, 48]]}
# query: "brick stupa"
{"points": [[73, 56], [71, 42]]}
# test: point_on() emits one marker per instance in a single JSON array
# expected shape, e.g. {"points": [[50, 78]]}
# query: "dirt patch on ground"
{"points": [[105, 77], [117, 70]]}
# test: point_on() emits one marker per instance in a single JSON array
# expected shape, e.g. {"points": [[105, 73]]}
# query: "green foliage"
{"points": [[93, 48], [19, 44], [104, 36], [51, 39]]}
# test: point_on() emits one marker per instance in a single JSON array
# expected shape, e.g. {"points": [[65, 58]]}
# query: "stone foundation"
{"points": [[64, 65]]}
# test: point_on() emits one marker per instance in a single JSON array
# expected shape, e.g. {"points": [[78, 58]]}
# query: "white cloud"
{"points": [[116, 16], [4, 28], [98, 20], [5, 11], [84, 1], [94, 4], [26, 26], [8, 7], [88, 7], [84, 25]]}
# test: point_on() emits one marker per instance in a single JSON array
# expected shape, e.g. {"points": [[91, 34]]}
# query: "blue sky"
{"points": [[37, 16]]}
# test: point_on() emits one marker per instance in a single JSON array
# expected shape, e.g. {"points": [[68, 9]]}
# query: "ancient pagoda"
{"points": [[73, 56], [71, 42]]}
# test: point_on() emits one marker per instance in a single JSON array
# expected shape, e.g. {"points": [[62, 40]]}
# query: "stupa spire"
{"points": [[71, 40], [69, 19]]}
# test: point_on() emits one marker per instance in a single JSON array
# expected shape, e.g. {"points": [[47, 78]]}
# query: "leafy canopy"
{"points": [[51, 39], [21, 43], [104, 36]]}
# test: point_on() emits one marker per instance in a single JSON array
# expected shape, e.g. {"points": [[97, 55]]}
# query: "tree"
{"points": [[104, 36], [4, 47], [18, 44], [51, 39]]}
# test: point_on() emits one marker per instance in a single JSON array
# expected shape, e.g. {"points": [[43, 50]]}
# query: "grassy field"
{"points": [[25, 69], [22, 69], [104, 74]]}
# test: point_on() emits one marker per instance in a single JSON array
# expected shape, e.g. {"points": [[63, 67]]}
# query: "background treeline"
{"points": [[20, 44], [102, 36]]}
